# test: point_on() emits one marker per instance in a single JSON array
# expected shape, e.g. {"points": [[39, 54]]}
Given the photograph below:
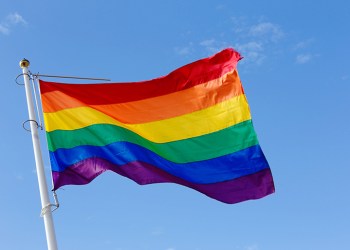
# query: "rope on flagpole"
{"points": [[37, 75], [36, 102]]}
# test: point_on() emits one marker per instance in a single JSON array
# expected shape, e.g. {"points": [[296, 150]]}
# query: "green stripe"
{"points": [[222, 142]]}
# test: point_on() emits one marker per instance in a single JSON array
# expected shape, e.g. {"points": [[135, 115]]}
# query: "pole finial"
{"points": [[24, 63]]}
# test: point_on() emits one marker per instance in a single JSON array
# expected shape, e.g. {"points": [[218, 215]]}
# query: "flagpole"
{"points": [[44, 194]]}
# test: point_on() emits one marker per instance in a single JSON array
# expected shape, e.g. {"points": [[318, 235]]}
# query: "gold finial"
{"points": [[24, 63]]}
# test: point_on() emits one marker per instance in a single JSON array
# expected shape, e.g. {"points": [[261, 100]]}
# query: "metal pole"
{"points": [[44, 195]]}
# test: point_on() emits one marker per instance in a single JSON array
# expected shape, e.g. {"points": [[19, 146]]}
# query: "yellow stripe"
{"points": [[205, 121]]}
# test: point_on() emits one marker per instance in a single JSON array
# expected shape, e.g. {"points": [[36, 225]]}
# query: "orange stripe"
{"points": [[157, 108]]}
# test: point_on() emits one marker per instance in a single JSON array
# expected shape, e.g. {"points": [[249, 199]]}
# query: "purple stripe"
{"points": [[253, 186]]}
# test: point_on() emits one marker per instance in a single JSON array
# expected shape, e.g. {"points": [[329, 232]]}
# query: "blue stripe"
{"points": [[228, 167]]}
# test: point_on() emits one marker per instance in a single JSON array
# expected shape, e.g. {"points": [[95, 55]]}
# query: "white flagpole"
{"points": [[44, 195]]}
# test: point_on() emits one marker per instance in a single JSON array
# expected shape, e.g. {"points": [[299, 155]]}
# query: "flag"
{"points": [[192, 127]]}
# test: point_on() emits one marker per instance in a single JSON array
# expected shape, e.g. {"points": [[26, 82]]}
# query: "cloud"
{"points": [[185, 50], [19, 177], [10, 21], [303, 58], [303, 44], [344, 77], [250, 46], [251, 51], [157, 231], [303, 51], [220, 7], [207, 43], [15, 18], [266, 30], [212, 45], [239, 25], [4, 30], [256, 40], [251, 247], [182, 51]]}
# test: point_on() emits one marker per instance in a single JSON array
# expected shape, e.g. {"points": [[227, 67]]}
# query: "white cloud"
{"points": [[239, 25], [255, 40], [4, 30], [183, 51], [344, 77], [16, 18], [220, 7], [251, 51], [157, 231], [303, 58], [251, 247], [303, 44], [19, 177], [254, 46], [213, 46], [207, 43], [266, 30], [258, 40], [11, 20]]}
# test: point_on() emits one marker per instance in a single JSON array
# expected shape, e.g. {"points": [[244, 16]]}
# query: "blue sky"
{"points": [[296, 76]]}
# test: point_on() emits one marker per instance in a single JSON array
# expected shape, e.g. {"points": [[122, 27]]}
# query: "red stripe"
{"points": [[182, 78]]}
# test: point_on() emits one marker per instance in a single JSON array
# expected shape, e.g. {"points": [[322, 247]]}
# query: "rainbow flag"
{"points": [[191, 127]]}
